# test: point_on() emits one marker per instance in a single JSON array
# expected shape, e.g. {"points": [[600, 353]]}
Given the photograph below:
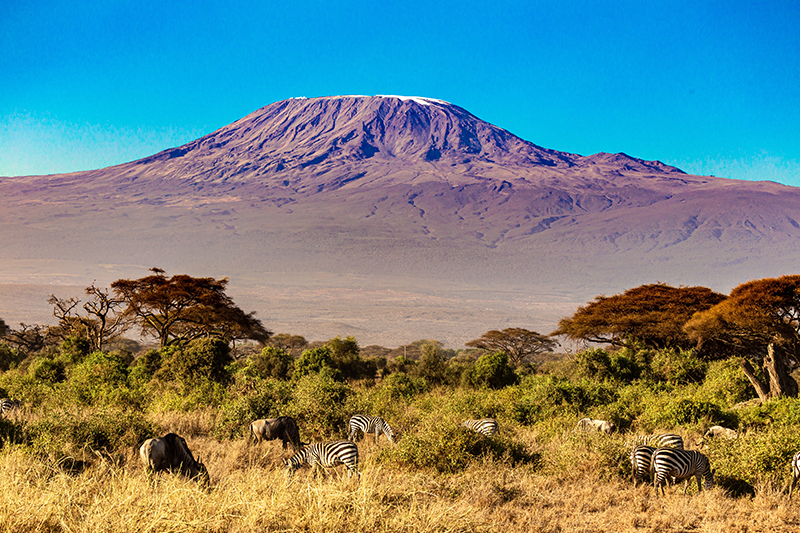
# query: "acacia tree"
{"points": [[517, 343], [102, 322], [652, 315], [181, 308], [760, 323]]}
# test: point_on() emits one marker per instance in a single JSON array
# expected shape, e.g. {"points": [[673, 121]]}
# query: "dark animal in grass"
{"points": [[170, 453], [283, 428]]}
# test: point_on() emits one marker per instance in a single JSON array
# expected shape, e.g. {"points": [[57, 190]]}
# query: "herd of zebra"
{"points": [[660, 457], [333, 453]]}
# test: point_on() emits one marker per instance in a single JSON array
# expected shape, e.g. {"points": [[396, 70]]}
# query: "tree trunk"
{"points": [[762, 389], [777, 368]]}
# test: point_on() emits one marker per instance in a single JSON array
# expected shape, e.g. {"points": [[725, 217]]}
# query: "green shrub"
{"points": [[757, 456], [491, 370], [75, 349], [9, 357], [677, 366], [201, 359], [726, 383], [623, 365], [318, 404], [447, 448], [48, 370], [259, 398], [313, 361], [62, 433], [101, 379], [542, 397], [274, 363]]}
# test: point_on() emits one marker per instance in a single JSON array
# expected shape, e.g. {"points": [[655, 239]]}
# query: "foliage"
{"points": [[653, 315], [518, 344], [202, 359], [491, 370], [345, 357], [102, 321], [183, 308], [251, 398], [274, 362], [677, 366], [760, 322], [620, 365], [9, 357], [318, 403], [314, 360]]}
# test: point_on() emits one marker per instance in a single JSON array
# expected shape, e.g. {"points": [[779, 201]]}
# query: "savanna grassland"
{"points": [[69, 457]]}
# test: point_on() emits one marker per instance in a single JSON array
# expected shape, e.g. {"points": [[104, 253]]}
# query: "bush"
{"points": [[99, 379], [623, 365], [202, 359], [491, 370], [677, 366], [318, 404], [260, 398], [48, 370], [542, 397], [62, 433], [9, 357], [447, 448], [314, 361], [274, 363]]}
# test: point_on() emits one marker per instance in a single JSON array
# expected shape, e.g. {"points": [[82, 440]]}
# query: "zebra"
{"points": [[485, 426], [795, 472], [7, 406], [664, 440], [327, 454], [369, 424], [641, 457], [680, 464]]}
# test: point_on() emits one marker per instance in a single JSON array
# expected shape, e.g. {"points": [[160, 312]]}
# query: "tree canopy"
{"points": [[182, 308], [759, 322], [653, 315], [517, 343]]}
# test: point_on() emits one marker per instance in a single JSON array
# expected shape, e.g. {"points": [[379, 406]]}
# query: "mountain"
{"points": [[315, 207]]}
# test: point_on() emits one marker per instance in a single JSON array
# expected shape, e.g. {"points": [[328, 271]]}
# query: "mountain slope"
{"points": [[371, 192]]}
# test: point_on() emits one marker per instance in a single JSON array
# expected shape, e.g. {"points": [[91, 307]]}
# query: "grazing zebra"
{"points": [[327, 454], [641, 457], [7, 406], [369, 424], [795, 472], [485, 426], [680, 464], [664, 440]]}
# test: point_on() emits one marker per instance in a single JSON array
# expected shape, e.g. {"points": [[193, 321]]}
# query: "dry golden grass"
{"points": [[250, 492]]}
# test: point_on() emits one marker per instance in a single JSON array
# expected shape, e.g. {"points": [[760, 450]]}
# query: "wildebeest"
{"points": [[718, 431], [283, 428], [171, 453], [591, 424]]}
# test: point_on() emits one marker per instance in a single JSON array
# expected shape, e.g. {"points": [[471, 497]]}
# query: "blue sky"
{"points": [[711, 87]]}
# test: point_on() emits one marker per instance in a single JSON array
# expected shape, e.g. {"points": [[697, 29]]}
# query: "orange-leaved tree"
{"points": [[652, 315], [181, 308], [760, 323]]}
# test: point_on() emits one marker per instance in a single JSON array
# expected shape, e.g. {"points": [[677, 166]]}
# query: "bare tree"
{"points": [[103, 319]]}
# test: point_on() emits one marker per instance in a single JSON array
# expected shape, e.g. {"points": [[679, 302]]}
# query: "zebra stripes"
{"points": [[8, 406], [326, 454], [641, 457], [664, 440], [795, 472], [680, 464], [369, 424], [485, 426]]}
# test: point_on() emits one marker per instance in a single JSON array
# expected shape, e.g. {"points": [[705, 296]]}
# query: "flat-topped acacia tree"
{"points": [[759, 323], [651, 315], [181, 308]]}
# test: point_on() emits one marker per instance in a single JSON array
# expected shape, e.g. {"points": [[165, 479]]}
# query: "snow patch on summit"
{"points": [[418, 99]]}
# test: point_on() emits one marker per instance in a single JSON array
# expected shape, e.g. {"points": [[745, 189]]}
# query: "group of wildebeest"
{"points": [[170, 452], [663, 458]]}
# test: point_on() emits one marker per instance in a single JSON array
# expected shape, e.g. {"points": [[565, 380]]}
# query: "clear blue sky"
{"points": [[712, 87]]}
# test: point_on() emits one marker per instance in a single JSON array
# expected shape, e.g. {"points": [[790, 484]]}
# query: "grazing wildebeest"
{"points": [[717, 431], [171, 453], [591, 424], [283, 427]]}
